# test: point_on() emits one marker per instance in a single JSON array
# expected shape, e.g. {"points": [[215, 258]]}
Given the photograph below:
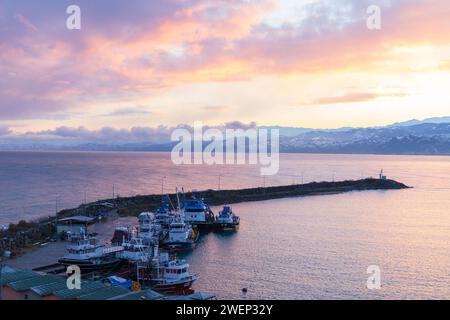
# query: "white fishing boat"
{"points": [[198, 213], [89, 255], [227, 219], [174, 277], [163, 214], [121, 233], [135, 250], [147, 228], [181, 236]]}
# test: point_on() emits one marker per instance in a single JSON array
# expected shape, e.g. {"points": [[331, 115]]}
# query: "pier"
{"points": [[27, 235], [134, 205]]}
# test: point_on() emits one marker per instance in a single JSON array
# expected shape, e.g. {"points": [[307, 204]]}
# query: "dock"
{"points": [[24, 234]]}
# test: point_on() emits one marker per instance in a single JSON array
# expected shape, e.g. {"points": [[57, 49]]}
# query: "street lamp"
{"points": [[162, 185]]}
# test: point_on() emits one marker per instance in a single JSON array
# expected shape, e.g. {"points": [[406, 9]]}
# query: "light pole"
{"points": [[162, 185]]}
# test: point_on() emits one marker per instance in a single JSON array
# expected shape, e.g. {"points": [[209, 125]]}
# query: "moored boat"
{"points": [[198, 213], [86, 253], [174, 277], [227, 220], [181, 236], [135, 250], [147, 229]]}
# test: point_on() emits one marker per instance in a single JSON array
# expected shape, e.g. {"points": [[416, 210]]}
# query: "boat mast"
{"points": [[178, 200]]}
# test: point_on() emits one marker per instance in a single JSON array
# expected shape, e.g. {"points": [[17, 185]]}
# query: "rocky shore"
{"points": [[26, 235]]}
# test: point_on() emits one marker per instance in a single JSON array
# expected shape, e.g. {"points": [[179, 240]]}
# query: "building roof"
{"points": [[8, 277], [200, 296], [77, 219], [141, 295], [105, 293], [44, 285], [49, 288], [36, 280], [6, 269], [153, 295], [86, 288]]}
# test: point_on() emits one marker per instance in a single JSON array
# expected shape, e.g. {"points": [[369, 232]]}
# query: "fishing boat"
{"points": [[163, 214], [163, 218], [147, 228], [86, 253], [121, 233], [164, 273], [135, 250], [198, 213], [181, 236], [227, 220], [173, 277]]}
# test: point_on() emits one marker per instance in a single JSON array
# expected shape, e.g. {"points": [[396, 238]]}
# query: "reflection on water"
{"points": [[299, 248]]}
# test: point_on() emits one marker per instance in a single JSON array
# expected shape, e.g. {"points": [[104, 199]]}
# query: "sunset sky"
{"points": [[142, 63]]}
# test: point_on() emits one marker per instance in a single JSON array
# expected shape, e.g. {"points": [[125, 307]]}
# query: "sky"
{"points": [[148, 66]]}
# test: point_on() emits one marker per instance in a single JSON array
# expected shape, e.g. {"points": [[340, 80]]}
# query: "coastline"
{"points": [[27, 236]]}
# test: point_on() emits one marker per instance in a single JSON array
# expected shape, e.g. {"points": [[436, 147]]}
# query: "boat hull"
{"points": [[89, 266], [182, 287], [226, 226], [179, 246]]}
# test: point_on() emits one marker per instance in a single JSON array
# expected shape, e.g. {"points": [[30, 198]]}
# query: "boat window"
{"points": [[195, 210]]}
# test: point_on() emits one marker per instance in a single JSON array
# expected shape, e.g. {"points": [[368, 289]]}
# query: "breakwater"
{"points": [[137, 204], [26, 235]]}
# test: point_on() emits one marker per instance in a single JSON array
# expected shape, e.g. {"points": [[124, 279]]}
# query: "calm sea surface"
{"points": [[299, 248]]}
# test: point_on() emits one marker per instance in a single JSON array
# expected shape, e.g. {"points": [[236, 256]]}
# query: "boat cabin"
{"points": [[176, 270], [76, 225], [197, 212]]}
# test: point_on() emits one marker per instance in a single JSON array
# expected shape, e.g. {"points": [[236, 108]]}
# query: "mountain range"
{"points": [[414, 137]]}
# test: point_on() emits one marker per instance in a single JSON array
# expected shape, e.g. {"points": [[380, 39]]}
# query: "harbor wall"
{"points": [[25, 235]]}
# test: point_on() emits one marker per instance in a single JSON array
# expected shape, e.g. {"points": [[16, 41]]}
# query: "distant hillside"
{"points": [[424, 137], [416, 122]]}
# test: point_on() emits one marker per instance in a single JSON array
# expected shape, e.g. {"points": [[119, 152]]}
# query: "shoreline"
{"points": [[24, 236]]}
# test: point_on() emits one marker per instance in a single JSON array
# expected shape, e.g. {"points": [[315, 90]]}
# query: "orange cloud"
{"points": [[206, 42], [355, 97]]}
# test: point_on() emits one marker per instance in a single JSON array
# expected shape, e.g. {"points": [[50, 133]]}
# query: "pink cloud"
{"points": [[25, 22], [139, 48]]}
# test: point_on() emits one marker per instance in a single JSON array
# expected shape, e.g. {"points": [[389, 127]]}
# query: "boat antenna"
{"points": [[178, 201], [170, 201], [184, 196]]}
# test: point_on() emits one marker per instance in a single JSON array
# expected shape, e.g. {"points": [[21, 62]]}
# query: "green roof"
{"points": [[49, 288], [8, 277], [105, 293], [86, 288], [141, 295], [36, 280]]}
